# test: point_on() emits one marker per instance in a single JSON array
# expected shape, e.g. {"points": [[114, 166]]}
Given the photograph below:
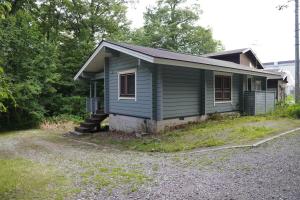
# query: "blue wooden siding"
{"points": [[157, 91], [210, 105], [181, 89], [142, 106], [165, 92]]}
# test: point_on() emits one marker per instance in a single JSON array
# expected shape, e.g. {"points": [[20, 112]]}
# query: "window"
{"points": [[257, 85], [127, 85], [249, 84], [222, 88]]}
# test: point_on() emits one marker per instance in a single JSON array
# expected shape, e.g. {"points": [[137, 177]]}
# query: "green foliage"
{"points": [[171, 26], [5, 7], [294, 111], [42, 45], [287, 108], [5, 92]]}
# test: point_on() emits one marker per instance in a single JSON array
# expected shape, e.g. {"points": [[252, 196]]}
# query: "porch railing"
{"points": [[93, 104]]}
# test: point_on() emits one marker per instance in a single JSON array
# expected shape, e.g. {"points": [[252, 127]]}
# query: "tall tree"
{"points": [[5, 92], [171, 26]]}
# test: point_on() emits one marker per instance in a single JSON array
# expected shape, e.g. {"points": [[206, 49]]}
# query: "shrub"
{"points": [[294, 111], [287, 110]]}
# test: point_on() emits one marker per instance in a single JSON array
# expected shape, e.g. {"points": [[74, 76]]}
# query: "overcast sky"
{"points": [[243, 23]]}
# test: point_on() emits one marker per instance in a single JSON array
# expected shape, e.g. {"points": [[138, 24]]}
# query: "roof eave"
{"points": [[117, 48], [216, 68]]}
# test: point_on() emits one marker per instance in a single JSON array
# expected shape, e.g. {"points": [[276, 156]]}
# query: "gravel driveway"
{"points": [[270, 171]]}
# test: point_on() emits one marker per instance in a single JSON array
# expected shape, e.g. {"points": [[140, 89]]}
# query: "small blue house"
{"points": [[148, 90]]}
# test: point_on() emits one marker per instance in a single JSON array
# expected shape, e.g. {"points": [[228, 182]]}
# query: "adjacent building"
{"points": [[287, 69]]}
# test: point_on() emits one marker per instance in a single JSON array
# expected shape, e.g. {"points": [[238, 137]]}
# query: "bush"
{"points": [[294, 111], [285, 110]]}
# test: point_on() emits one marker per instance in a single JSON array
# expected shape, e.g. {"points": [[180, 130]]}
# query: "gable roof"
{"points": [[248, 51], [165, 57]]}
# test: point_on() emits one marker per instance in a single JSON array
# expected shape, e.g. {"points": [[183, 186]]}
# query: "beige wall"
{"points": [[244, 60]]}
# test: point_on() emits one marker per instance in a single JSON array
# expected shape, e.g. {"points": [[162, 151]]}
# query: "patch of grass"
{"points": [[24, 179], [211, 133], [110, 178], [246, 133], [26, 133]]}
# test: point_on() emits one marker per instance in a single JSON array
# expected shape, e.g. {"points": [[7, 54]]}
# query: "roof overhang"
{"points": [[95, 62]]}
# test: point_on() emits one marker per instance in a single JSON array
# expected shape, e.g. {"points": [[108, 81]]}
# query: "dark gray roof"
{"points": [[220, 53], [283, 74], [165, 54]]}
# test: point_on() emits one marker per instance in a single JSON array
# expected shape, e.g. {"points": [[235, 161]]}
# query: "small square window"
{"points": [[127, 85]]}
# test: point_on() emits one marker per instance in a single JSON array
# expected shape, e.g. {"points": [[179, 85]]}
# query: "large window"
{"points": [[222, 88], [127, 84]]}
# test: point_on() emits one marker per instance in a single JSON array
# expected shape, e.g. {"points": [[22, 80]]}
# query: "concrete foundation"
{"points": [[134, 124]]}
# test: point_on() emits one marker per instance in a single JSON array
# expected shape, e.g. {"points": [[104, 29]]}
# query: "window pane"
{"points": [[227, 82], [122, 85], [131, 84], [218, 95], [227, 95], [218, 82]]}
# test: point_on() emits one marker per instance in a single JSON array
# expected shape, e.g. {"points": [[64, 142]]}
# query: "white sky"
{"points": [[242, 23]]}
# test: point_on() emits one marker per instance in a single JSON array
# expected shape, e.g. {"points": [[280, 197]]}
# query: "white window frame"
{"points": [[129, 71], [214, 88]]}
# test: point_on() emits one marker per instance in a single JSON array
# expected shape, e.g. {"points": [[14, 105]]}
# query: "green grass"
{"points": [[207, 134], [24, 179], [113, 177]]}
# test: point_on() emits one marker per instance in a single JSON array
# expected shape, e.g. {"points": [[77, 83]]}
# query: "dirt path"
{"points": [[270, 171]]}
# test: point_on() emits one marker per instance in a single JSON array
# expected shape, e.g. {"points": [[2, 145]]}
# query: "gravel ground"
{"points": [[270, 171]]}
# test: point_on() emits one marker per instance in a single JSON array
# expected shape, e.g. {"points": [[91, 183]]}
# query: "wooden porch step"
{"points": [[88, 124], [99, 116], [91, 124]]}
